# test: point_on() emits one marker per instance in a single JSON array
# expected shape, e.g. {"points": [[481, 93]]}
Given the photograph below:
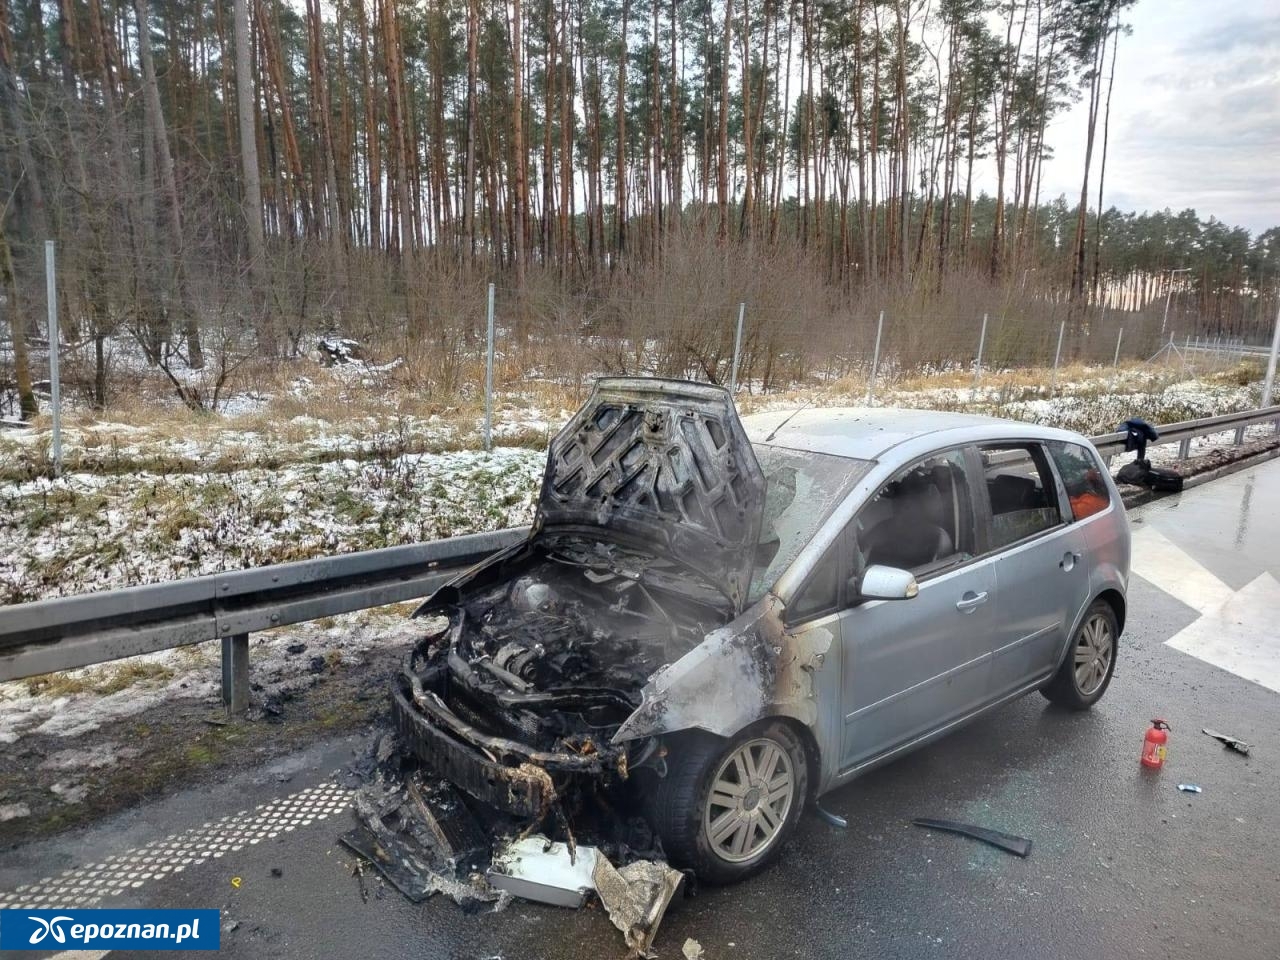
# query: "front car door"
{"points": [[911, 666], [1038, 558]]}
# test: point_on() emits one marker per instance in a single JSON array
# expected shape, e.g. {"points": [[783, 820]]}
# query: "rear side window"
{"points": [[1081, 475], [1021, 492]]}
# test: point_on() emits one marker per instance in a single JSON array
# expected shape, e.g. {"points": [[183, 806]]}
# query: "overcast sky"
{"points": [[1195, 116]]}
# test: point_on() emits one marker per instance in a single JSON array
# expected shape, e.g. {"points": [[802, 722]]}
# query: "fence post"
{"points": [[235, 673], [1119, 338], [55, 382], [1271, 365], [1057, 355], [982, 342], [737, 351], [488, 380], [875, 360]]}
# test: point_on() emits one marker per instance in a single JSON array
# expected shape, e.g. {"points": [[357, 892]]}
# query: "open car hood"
{"points": [[666, 461]]}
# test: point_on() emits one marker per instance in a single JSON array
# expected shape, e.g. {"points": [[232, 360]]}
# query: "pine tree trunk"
{"points": [[249, 168], [722, 178], [517, 151], [469, 188], [17, 330], [168, 183], [620, 191]]}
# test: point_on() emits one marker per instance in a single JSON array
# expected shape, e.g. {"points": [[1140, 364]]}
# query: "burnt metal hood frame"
{"points": [[666, 461]]}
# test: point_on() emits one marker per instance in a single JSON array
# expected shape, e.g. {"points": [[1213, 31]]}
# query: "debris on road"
{"points": [[835, 820], [357, 871], [636, 897], [1228, 741], [539, 869], [692, 950], [1190, 788], [1018, 846], [426, 836]]}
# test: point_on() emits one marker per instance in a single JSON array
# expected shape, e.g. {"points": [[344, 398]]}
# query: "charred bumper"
{"points": [[500, 772]]}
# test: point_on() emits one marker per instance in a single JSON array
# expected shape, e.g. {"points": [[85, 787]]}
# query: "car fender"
{"points": [[743, 672]]}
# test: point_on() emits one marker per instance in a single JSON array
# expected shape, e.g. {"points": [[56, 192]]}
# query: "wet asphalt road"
{"points": [[1123, 863]]}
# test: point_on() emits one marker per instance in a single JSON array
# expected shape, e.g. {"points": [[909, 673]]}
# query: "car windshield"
{"points": [[802, 488]]}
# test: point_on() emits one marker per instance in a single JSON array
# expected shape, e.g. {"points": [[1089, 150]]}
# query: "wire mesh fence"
{"points": [[432, 337]]}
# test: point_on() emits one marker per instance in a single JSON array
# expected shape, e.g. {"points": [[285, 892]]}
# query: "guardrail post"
{"points": [[1184, 449], [235, 673], [1239, 435]]}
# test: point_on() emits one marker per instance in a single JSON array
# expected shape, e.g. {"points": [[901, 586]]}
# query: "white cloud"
{"points": [[1195, 115]]}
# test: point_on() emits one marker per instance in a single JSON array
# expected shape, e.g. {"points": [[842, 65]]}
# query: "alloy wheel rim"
{"points": [[1094, 650], [749, 800]]}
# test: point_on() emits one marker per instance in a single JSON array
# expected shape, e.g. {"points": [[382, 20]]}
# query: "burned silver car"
{"points": [[701, 621]]}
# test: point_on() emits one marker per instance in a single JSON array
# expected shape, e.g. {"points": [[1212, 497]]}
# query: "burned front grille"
{"points": [[496, 784]]}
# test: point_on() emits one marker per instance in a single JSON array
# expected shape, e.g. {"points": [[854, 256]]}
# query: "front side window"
{"points": [[820, 593], [1081, 475], [921, 520], [1021, 492]]}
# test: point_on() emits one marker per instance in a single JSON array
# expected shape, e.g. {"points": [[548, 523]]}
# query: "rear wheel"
{"points": [[1086, 672], [727, 807]]}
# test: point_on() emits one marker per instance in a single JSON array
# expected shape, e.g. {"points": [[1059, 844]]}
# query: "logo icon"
{"points": [[48, 927]]}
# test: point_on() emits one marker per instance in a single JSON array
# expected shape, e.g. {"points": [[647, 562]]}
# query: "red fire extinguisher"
{"points": [[1153, 745]]}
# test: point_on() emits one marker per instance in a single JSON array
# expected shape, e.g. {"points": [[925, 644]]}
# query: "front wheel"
{"points": [[1086, 672], [726, 807]]}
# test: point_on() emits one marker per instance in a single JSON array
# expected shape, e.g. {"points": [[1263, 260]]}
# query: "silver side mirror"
{"points": [[887, 583]]}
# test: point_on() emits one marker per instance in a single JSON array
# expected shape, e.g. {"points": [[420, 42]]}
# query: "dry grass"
{"points": [[102, 681]]}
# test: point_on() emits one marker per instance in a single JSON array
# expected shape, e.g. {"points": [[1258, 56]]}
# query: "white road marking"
{"points": [[1240, 635], [1163, 563], [1237, 629], [88, 885], [80, 955]]}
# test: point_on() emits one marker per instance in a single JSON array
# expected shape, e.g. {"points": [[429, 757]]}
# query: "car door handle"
{"points": [[1069, 560], [971, 601]]}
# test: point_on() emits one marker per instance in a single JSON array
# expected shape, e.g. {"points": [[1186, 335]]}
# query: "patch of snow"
{"points": [[13, 811]]}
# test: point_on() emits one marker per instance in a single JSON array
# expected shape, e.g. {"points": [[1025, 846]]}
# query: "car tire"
{"points": [[699, 829], [1086, 671]]}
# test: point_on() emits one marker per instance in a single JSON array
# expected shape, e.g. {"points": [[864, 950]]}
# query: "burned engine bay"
{"points": [[504, 770], [542, 659]]}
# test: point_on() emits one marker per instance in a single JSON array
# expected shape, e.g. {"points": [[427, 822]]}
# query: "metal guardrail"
{"points": [[68, 632], [1183, 433]]}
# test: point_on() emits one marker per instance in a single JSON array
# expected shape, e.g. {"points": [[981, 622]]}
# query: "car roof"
{"points": [[865, 433]]}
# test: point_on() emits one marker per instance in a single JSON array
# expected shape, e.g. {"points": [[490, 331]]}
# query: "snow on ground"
{"points": [[86, 532]]}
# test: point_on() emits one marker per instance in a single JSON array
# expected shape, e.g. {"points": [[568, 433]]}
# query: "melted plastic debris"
{"points": [[636, 898], [424, 836]]}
